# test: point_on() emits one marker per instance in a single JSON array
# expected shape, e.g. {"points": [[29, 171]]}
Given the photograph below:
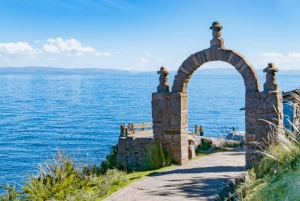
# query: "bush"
{"points": [[205, 144], [109, 163], [61, 179], [157, 157]]}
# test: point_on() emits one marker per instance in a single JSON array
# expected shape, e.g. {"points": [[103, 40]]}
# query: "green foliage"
{"points": [[61, 179], [109, 163], [278, 174], [10, 193], [157, 157], [204, 145]]}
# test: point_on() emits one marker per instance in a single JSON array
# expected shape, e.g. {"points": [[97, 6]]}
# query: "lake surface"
{"points": [[82, 114]]}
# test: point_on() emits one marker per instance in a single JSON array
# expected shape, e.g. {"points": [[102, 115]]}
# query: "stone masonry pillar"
{"points": [[169, 113], [263, 113]]}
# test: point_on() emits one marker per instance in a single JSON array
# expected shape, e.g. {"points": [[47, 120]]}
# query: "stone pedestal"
{"points": [[169, 113], [263, 113]]}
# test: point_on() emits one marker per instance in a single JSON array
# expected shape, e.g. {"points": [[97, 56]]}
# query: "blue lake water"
{"points": [[81, 114]]}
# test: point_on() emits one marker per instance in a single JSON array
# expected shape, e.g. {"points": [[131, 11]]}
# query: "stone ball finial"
{"points": [[270, 84], [216, 26], [271, 68], [217, 41], [163, 86], [163, 70]]}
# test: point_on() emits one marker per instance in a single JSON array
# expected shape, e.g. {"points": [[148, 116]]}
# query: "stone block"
{"points": [[157, 115], [214, 54], [191, 151], [158, 96], [230, 56], [175, 145], [181, 76], [252, 88], [200, 57], [132, 161], [195, 61], [250, 80], [248, 71], [163, 104], [122, 145], [176, 137], [174, 129], [130, 143], [167, 138], [166, 120], [239, 64], [175, 120], [143, 141], [250, 137], [250, 119], [189, 65], [207, 54], [243, 68], [122, 160], [184, 70], [251, 95], [264, 95], [222, 56], [235, 59], [177, 87]]}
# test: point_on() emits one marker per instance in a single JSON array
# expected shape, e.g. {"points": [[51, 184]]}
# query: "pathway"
{"points": [[205, 178]]}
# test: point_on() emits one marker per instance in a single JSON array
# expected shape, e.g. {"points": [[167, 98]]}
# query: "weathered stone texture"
{"points": [[132, 152], [261, 108], [172, 129]]}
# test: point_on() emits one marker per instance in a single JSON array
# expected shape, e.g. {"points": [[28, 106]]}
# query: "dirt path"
{"points": [[206, 178]]}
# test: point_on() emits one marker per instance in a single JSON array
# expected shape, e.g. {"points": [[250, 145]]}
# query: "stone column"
{"points": [[263, 114], [169, 114]]}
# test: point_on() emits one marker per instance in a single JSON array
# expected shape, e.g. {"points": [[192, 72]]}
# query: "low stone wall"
{"points": [[132, 152]]}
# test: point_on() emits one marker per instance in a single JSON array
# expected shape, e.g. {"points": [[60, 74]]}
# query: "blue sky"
{"points": [[144, 35]]}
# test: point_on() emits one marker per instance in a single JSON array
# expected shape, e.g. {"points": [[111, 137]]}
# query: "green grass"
{"points": [[278, 175], [134, 176], [157, 157]]}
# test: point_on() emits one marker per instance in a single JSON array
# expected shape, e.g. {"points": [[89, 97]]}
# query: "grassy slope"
{"points": [[282, 186]]}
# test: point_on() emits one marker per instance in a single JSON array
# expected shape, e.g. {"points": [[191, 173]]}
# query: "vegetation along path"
{"points": [[205, 178]]}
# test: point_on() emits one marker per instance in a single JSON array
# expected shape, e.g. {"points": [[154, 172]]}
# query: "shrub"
{"points": [[61, 179], [109, 163], [10, 193], [157, 157], [205, 144]]}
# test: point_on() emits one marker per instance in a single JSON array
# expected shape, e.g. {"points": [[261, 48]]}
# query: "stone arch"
{"points": [[169, 109], [193, 62]]}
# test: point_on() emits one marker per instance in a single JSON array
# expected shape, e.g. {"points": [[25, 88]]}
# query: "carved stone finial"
{"points": [[217, 41], [270, 84], [163, 80]]}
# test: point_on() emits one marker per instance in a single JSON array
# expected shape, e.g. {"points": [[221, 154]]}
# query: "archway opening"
{"points": [[216, 99]]}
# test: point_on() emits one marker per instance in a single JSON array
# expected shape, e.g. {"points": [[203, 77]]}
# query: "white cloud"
{"points": [[36, 41], [142, 60], [70, 46], [281, 61], [148, 54], [270, 54], [18, 50], [107, 54]]}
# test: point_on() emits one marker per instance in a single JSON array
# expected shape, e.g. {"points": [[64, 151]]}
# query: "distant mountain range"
{"points": [[55, 71], [93, 71]]}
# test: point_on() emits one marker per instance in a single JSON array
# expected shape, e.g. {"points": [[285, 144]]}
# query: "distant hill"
{"points": [[95, 71], [233, 71], [55, 71]]}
